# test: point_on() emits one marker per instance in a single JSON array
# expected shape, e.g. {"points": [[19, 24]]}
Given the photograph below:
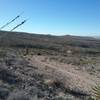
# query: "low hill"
{"points": [[87, 45], [46, 67]]}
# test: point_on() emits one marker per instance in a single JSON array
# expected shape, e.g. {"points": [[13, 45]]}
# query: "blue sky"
{"points": [[58, 17]]}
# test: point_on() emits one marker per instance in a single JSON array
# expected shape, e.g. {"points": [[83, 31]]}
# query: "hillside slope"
{"points": [[46, 67]]}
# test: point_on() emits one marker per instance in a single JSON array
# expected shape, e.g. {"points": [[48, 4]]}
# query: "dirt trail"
{"points": [[72, 78]]}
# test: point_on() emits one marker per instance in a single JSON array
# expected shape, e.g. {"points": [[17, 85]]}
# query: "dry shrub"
{"points": [[96, 92], [52, 82], [20, 95]]}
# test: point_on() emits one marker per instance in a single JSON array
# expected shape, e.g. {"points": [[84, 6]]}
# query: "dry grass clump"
{"points": [[19, 96], [96, 92], [2, 53], [51, 82]]}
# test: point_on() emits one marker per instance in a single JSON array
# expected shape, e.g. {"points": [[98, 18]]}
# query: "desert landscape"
{"points": [[48, 67]]}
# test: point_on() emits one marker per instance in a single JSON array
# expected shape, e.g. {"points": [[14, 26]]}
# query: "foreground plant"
{"points": [[96, 92]]}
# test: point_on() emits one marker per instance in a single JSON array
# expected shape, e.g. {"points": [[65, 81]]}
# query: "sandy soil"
{"points": [[72, 78]]}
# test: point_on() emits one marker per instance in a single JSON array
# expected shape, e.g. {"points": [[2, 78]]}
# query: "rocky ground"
{"points": [[45, 67], [38, 77]]}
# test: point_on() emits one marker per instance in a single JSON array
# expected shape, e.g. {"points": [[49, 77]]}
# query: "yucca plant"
{"points": [[96, 92]]}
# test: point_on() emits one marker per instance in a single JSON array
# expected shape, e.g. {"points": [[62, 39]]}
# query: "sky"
{"points": [[56, 17]]}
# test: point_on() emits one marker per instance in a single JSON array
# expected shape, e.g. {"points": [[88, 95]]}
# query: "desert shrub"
{"points": [[51, 82], [8, 76], [38, 54], [91, 98], [20, 95], [96, 92], [2, 53], [4, 92]]}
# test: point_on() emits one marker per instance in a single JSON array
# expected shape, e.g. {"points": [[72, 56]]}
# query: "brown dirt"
{"points": [[68, 74]]}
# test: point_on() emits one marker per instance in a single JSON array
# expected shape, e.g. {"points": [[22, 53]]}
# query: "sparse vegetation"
{"points": [[96, 92], [48, 67]]}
